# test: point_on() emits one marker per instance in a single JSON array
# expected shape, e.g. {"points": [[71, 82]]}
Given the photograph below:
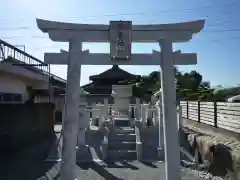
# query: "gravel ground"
{"points": [[125, 170]]}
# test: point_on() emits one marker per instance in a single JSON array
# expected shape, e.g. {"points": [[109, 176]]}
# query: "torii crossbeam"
{"points": [[87, 58]]}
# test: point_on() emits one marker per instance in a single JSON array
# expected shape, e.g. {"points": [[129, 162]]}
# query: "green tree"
{"points": [[189, 86], [223, 94]]}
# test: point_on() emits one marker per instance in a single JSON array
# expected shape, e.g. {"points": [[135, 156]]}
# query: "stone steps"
{"points": [[122, 144], [122, 123], [124, 130], [117, 154], [122, 137]]}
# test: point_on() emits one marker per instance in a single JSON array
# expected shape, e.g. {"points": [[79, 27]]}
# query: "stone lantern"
{"points": [[122, 96]]}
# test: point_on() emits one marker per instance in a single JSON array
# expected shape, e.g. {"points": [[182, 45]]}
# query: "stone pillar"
{"points": [[137, 109], [155, 117], [94, 114], [144, 114], [101, 114], [70, 122], [179, 117], [82, 128], [153, 99], [83, 120], [172, 149], [160, 129], [83, 151], [106, 107], [88, 118]]}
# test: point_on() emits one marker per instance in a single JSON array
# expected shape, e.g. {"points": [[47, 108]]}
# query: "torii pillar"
{"points": [[171, 140], [71, 115], [71, 119]]}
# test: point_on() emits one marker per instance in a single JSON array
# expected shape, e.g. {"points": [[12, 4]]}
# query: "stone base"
{"points": [[95, 121], [139, 151], [160, 153], [122, 121], [83, 153]]}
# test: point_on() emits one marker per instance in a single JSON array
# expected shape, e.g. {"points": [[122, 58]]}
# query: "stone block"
{"points": [[84, 154], [160, 153], [104, 150], [139, 151]]}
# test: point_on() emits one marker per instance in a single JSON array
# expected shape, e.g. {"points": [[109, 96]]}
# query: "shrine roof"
{"points": [[95, 89], [114, 73]]}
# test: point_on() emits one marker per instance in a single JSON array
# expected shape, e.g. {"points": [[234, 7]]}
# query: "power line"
{"points": [[219, 23], [223, 23], [233, 38], [139, 13], [156, 12], [223, 30], [161, 11], [13, 28], [204, 31]]}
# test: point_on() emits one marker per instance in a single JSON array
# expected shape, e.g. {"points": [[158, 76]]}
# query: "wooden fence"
{"points": [[219, 114]]}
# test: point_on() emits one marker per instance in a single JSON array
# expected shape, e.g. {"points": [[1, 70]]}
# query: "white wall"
{"points": [[21, 71], [10, 83], [16, 79]]}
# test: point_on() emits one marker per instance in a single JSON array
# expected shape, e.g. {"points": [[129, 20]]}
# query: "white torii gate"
{"points": [[164, 34]]}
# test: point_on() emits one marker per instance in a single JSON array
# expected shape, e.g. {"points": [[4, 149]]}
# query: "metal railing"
{"points": [[8, 51]]}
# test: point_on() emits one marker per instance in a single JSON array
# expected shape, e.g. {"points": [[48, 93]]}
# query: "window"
{"points": [[7, 97], [10, 97]]}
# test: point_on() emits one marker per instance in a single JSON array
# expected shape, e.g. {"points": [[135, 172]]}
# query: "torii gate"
{"points": [[120, 46]]}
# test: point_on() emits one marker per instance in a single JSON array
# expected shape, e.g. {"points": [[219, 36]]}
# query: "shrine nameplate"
{"points": [[120, 40]]}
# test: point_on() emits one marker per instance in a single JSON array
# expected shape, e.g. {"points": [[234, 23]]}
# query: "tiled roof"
{"points": [[114, 73], [93, 88]]}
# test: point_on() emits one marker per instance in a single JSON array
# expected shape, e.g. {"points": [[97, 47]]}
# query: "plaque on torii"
{"points": [[120, 40]]}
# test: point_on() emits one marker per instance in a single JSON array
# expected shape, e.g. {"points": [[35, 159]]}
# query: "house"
{"points": [[22, 74]]}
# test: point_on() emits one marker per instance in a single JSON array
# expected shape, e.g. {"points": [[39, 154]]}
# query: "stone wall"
{"points": [[222, 153], [24, 124]]}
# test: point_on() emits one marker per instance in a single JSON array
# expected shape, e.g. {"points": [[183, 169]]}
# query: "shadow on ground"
{"points": [[28, 163]]}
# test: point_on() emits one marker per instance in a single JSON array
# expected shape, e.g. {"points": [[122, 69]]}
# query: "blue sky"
{"points": [[218, 46]]}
